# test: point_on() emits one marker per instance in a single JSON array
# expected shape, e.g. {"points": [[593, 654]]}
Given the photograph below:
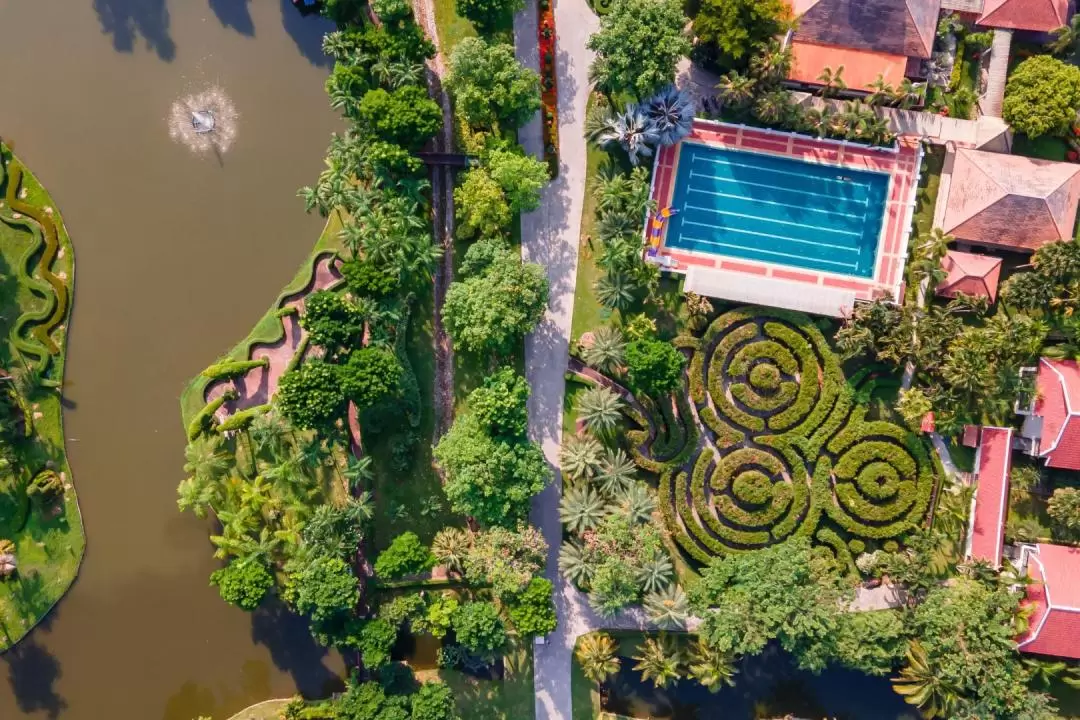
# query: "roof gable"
{"points": [[1054, 596], [1011, 200], [899, 27], [1035, 15], [1057, 402], [970, 274]]}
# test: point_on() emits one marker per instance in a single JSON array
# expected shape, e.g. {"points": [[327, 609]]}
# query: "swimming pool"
{"points": [[780, 210]]}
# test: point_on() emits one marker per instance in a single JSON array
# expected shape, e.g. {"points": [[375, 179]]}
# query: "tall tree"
{"points": [[490, 87], [638, 46], [737, 27]]}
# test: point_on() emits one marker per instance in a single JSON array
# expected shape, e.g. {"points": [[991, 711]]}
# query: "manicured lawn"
{"points": [[511, 698], [588, 312], [452, 27], [926, 197], [48, 537], [1046, 147]]}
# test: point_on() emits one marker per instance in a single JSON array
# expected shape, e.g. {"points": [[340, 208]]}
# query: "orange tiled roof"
{"points": [[970, 274], [861, 67], [1011, 201], [1054, 596], [991, 495]]}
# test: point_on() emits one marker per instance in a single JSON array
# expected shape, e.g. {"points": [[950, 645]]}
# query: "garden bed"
{"points": [[549, 84]]}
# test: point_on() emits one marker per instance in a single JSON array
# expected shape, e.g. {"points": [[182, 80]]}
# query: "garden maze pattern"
{"points": [[776, 444]]}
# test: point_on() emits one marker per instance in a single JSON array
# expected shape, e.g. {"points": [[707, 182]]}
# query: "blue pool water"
{"points": [[778, 210]]}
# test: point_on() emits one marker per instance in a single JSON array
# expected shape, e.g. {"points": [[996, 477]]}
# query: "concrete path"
{"points": [[550, 237]]}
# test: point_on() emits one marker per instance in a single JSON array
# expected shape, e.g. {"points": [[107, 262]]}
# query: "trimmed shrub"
{"points": [[233, 368]]}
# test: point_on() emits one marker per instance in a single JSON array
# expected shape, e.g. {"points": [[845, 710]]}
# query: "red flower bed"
{"points": [[549, 85]]}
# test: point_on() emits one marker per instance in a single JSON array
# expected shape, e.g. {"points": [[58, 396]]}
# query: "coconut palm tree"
{"points": [[205, 459], [656, 573], [882, 93], [736, 89], [1042, 671], [710, 667], [617, 472], [614, 225], [615, 290], [337, 45], [637, 502], [771, 65], [1065, 38], [832, 81], [270, 431], [358, 471], [667, 607], [909, 93], [630, 129], [600, 409], [922, 685], [658, 660], [608, 350], [581, 508], [450, 546], [772, 107], [596, 653], [671, 113], [575, 564], [580, 457]]}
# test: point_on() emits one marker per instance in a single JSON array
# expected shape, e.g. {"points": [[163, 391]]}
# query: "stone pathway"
{"points": [[550, 237]]}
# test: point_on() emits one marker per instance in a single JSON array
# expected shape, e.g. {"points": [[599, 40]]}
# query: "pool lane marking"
{"points": [[733, 163], [762, 218], [789, 256], [692, 189], [786, 238], [811, 193]]}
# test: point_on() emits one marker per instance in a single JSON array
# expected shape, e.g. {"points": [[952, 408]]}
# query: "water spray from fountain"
{"points": [[205, 122]]}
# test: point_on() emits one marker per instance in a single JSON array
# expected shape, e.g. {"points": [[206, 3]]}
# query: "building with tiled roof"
{"points": [[1034, 15], [1057, 406], [1009, 201], [970, 274], [869, 38], [992, 462], [1054, 599]]}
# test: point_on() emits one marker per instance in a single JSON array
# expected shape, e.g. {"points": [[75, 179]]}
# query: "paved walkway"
{"points": [[550, 237]]}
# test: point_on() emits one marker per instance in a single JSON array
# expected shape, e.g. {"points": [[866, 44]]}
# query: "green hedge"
{"points": [[241, 420], [233, 368], [203, 422]]}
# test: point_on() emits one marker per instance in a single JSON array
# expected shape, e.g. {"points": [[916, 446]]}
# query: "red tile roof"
{"points": [[970, 274], [897, 27], [1011, 201], [1054, 625], [1036, 15], [992, 461], [1057, 402], [861, 67]]}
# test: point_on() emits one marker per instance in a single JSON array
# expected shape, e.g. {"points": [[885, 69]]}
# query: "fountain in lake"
{"points": [[204, 121]]}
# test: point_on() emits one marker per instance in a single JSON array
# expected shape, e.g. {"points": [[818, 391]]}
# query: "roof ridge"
{"points": [[915, 24], [1003, 3]]}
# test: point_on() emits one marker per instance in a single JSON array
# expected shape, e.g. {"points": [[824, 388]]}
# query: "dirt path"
{"points": [[442, 195]]}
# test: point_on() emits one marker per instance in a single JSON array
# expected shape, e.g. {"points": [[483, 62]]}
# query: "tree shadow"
{"points": [[128, 20], [234, 14], [307, 33], [293, 650], [33, 672]]}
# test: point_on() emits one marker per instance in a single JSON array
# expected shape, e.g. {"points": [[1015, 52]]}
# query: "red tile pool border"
{"points": [[902, 165]]}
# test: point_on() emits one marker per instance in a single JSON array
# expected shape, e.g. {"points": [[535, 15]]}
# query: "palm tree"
{"points": [[615, 290], [882, 93], [710, 667], [630, 129], [403, 72], [600, 409], [205, 459], [921, 685], [656, 573], [659, 660], [1065, 37], [817, 121], [337, 45], [608, 350], [671, 113], [614, 225], [270, 431], [580, 457], [668, 607], [1043, 671], [772, 64], [832, 81], [581, 508], [909, 93], [636, 501], [736, 90], [772, 107], [575, 564], [596, 653], [358, 471], [617, 472], [450, 546]]}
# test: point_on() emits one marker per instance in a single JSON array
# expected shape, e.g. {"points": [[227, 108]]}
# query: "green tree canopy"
{"points": [[371, 375], [479, 628], [638, 46], [737, 27], [494, 309], [332, 321], [500, 404], [655, 367], [405, 556], [480, 205], [490, 87], [507, 559], [324, 589], [1042, 96], [1064, 511], [406, 116], [243, 583], [520, 176], [376, 640], [491, 480], [488, 14], [310, 396], [533, 611], [434, 701]]}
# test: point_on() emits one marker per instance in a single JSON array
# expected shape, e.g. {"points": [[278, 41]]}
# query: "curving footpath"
{"points": [[550, 236]]}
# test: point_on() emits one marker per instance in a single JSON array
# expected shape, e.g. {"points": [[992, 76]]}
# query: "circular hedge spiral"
{"points": [[772, 443]]}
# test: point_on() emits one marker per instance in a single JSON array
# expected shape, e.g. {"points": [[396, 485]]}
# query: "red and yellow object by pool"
{"points": [[656, 225]]}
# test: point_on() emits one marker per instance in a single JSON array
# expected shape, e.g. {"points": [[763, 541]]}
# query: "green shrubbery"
{"points": [[233, 368]]}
